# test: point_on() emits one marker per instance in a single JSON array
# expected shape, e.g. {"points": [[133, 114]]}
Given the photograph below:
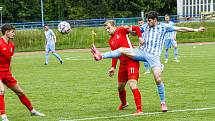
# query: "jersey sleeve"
{"points": [[137, 30], [114, 62], [169, 28], [123, 30]]}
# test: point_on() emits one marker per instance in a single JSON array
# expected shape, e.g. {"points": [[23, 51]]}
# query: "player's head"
{"points": [[141, 21], [167, 18], [152, 18], [8, 31], [46, 27], [110, 26]]}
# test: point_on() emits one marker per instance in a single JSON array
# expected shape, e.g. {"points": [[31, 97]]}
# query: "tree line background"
{"points": [[30, 10]]}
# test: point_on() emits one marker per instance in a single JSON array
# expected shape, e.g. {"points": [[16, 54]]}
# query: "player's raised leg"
{"points": [[112, 54]]}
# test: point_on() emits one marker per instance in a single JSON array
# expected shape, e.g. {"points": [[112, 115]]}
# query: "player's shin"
{"points": [[111, 54], [137, 99], [25, 101], [161, 91], [2, 105]]}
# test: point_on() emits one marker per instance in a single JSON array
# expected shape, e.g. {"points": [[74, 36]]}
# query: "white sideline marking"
{"points": [[152, 113], [77, 58]]}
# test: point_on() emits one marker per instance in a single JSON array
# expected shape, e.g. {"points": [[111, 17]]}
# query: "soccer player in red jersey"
{"points": [[6, 52], [128, 68]]}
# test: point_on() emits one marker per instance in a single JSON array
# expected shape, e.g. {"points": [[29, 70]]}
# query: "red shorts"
{"points": [[8, 79], [128, 70]]}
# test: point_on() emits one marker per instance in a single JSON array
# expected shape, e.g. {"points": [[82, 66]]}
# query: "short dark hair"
{"points": [[6, 27], [152, 15], [141, 19]]}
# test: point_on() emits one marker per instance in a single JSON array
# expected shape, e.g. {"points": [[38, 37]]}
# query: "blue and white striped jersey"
{"points": [[50, 37], [170, 35], [154, 37]]}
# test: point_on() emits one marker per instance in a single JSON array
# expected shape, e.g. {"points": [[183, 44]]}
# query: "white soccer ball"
{"points": [[64, 27]]}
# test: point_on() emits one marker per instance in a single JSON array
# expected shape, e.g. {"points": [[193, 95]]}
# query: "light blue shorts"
{"points": [[169, 43], [50, 48], [141, 55]]}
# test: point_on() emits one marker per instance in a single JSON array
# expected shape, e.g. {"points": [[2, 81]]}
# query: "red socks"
{"points": [[2, 107], [122, 96], [137, 99], [25, 101]]}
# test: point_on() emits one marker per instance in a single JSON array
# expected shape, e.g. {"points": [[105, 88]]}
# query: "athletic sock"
{"points": [[137, 99], [176, 53], [122, 96], [111, 54], [161, 91], [47, 58], [25, 101], [57, 56], [166, 54], [2, 106]]}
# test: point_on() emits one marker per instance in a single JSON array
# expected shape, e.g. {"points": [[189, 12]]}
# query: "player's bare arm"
{"points": [[141, 41], [186, 29]]}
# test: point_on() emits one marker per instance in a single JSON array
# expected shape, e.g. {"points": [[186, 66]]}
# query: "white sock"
{"points": [[3, 116], [33, 111]]}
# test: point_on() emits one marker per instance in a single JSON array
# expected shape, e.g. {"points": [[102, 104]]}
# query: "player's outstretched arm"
{"points": [[141, 41], [187, 29]]}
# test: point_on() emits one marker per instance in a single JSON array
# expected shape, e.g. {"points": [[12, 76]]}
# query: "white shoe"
{"points": [[166, 61], [36, 113], [4, 117], [162, 67]]}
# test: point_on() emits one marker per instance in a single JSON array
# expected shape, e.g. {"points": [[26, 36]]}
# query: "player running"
{"points": [[150, 49], [6, 52]]}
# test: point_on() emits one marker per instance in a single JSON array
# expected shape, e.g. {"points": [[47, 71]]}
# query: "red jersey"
{"points": [[6, 52], [120, 39]]}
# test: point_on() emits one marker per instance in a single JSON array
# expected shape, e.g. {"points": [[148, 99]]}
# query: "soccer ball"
{"points": [[64, 27]]}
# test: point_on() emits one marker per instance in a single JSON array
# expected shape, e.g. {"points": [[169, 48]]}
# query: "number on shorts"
{"points": [[132, 70]]}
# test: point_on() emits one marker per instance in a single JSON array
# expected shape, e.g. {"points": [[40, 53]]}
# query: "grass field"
{"points": [[81, 88]]}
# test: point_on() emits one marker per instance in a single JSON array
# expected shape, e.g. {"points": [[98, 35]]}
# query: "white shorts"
{"points": [[141, 55]]}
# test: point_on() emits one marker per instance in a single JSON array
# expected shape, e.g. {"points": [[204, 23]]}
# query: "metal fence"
{"points": [[99, 22]]}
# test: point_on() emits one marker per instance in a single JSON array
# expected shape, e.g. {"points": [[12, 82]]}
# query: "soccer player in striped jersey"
{"points": [[170, 41], [6, 53], [150, 49], [128, 68], [146, 64], [50, 44]]}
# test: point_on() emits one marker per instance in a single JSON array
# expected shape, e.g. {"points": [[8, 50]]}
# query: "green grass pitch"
{"points": [[81, 88]]}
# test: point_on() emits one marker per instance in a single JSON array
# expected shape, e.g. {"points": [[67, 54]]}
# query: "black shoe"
{"points": [[46, 64], [61, 62]]}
